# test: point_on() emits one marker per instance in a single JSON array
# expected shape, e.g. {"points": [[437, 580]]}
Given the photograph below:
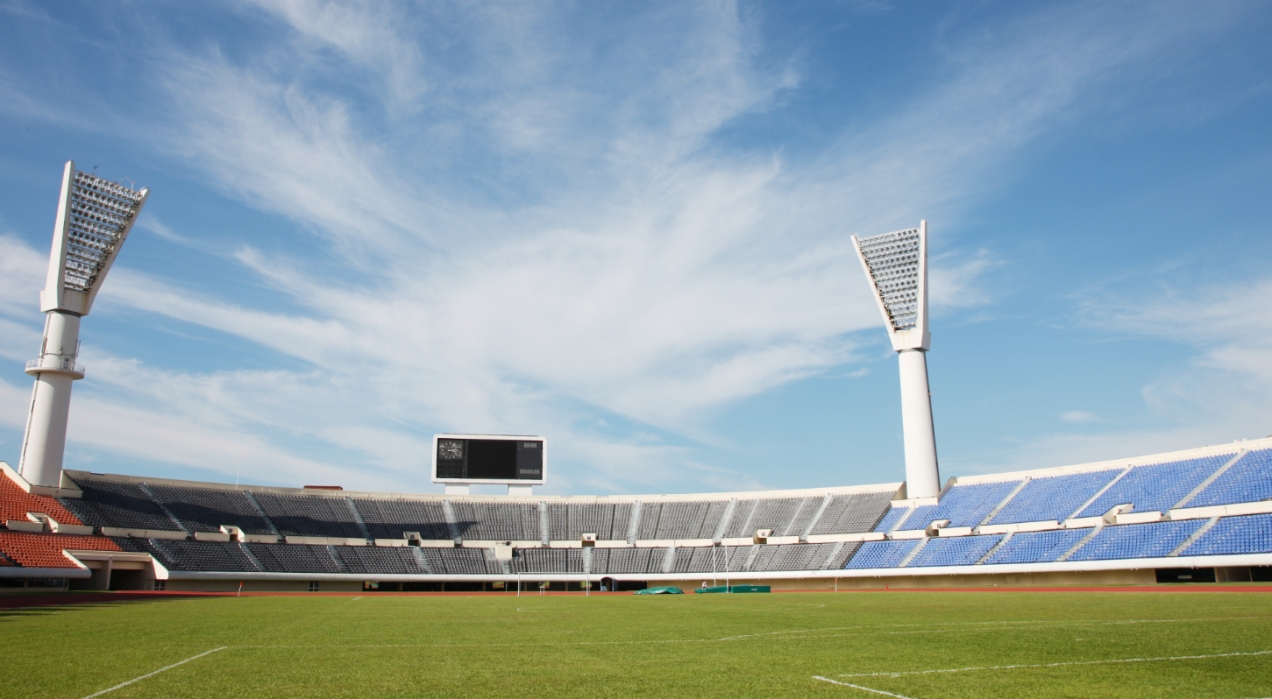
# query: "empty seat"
{"points": [[1234, 535], [15, 503], [309, 515], [45, 550], [205, 509], [954, 551], [853, 513], [294, 558], [211, 556], [1054, 498], [1249, 480], [497, 521], [881, 554], [1037, 547], [1156, 487], [378, 560], [1151, 540], [962, 505], [390, 519], [118, 504], [892, 518]]}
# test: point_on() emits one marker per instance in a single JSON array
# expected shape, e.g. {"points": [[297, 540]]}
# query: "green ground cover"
{"points": [[627, 646]]}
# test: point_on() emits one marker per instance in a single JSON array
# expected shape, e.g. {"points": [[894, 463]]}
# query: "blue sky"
{"points": [[626, 228]]}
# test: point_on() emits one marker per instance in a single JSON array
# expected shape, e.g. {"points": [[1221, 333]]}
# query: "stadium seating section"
{"points": [[1248, 480], [1053, 499], [962, 505], [710, 535], [45, 550], [15, 503]]}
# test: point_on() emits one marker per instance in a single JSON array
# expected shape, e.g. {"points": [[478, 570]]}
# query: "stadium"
{"points": [[488, 350], [1202, 515]]}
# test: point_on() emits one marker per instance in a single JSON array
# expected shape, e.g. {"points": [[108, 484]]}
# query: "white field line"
{"points": [[152, 674], [805, 634], [864, 689], [1116, 661], [987, 625]]}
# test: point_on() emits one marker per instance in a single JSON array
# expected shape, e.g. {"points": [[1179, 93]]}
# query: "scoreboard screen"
{"points": [[511, 459]]}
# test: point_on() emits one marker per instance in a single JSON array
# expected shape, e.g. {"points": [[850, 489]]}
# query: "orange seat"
{"points": [[45, 550], [15, 503]]}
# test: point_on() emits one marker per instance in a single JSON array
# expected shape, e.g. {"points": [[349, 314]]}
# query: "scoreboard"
{"points": [[488, 458]]}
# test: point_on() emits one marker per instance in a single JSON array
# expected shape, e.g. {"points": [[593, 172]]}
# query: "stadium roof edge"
{"points": [[892, 488], [1164, 457]]}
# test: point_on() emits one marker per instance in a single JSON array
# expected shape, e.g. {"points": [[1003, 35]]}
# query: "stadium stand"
{"points": [[1234, 535], [454, 561], [1156, 487], [195, 555], [15, 503], [375, 560], [118, 504], [1152, 540], [1054, 498], [785, 557], [680, 520], [881, 554], [569, 522], [954, 551], [45, 550], [892, 518], [548, 561], [768, 513], [309, 515], [962, 505], [854, 513], [205, 510], [488, 521], [291, 558], [1248, 480], [627, 560], [1036, 547], [391, 519], [1188, 509]]}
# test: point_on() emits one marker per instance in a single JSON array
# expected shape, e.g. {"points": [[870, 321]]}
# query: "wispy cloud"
{"points": [[523, 244]]}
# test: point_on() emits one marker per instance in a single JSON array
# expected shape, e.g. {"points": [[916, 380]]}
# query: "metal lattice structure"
{"points": [[893, 262], [101, 213]]}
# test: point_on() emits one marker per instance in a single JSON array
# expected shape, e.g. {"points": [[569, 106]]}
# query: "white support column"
{"points": [[94, 217], [45, 438], [896, 265], [922, 476]]}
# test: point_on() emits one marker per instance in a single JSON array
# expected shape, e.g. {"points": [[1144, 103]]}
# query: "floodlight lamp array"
{"points": [[99, 216], [894, 263]]}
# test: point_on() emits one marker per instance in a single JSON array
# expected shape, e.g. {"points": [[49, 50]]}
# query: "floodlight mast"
{"points": [[896, 265], [94, 216]]}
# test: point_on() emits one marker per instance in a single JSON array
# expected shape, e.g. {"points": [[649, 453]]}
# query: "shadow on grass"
{"points": [[17, 606]]}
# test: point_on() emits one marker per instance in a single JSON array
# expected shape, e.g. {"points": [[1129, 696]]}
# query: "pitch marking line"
{"points": [[986, 625], [1117, 661], [864, 689], [152, 674]]}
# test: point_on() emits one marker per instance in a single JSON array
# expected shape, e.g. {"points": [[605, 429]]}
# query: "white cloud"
{"points": [[594, 255], [1078, 416]]}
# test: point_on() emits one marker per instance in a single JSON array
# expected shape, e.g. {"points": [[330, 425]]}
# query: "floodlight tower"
{"points": [[94, 217], [896, 265]]}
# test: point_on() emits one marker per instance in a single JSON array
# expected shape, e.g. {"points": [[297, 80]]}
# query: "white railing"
{"points": [[54, 363]]}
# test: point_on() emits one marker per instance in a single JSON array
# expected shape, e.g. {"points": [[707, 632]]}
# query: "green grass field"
{"points": [[903, 643]]}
